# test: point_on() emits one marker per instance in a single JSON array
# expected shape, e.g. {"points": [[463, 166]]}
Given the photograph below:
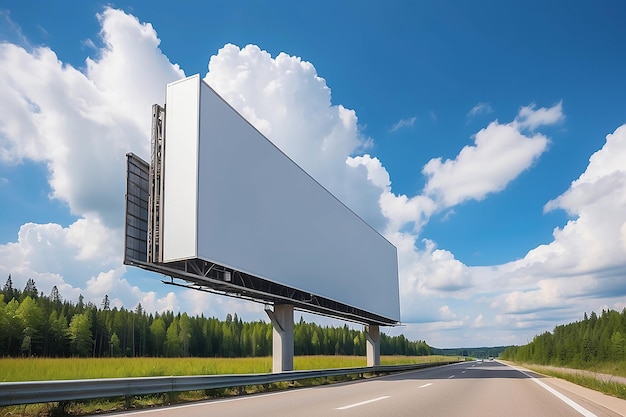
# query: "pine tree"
{"points": [[30, 290], [9, 292], [80, 306], [55, 297], [105, 303]]}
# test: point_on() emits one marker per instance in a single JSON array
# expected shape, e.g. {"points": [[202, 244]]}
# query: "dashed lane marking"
{"points": [[345, 407]]}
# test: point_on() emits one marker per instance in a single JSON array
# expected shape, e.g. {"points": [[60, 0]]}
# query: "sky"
{"points": [[486, 140]]}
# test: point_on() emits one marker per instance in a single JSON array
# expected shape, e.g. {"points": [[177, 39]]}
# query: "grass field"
{"points": [[604, 385], [44, 369]]}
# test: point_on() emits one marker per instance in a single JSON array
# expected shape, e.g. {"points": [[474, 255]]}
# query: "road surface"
{"points": [[470, 389]]}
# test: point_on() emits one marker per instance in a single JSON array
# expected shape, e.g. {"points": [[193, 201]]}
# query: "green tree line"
{"points": [[34, 324], [592, 341]]}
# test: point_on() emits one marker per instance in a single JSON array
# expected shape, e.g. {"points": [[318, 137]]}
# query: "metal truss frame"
{"points": [[209, 277]]}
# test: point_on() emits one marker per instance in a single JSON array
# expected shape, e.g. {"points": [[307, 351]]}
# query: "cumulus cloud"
{"points": [[501, 152], [80, 124], [53, 255], [592, 243], [446, 313], [581, 269], [479, 322], [399, 210], [429, 278], [278, 96]]}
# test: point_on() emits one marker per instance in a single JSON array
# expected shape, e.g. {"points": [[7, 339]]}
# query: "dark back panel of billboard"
{"points": [[136, 224]]}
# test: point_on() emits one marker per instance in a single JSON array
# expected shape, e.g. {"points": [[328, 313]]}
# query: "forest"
{"points": [[34, 324], [593, 341]]}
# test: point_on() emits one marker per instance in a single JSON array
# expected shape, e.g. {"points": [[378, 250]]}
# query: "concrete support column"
{"points": [[372, 340], [282, 337]]}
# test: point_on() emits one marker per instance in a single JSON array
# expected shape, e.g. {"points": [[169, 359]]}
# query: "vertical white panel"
{"points": [[180, 176]]}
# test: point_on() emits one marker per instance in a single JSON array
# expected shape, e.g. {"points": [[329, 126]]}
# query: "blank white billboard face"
{"points": [[233, 198]]}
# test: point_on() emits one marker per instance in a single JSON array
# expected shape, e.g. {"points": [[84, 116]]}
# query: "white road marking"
{"points": [[560, 396], [462, 372], [345, 407], [426, 385], [208, 402], [451, 376]]}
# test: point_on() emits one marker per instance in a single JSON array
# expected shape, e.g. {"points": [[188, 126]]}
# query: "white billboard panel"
{"points": [[231, 197]]}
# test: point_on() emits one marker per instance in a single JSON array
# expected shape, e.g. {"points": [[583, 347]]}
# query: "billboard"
{"points": [[231, 197]]}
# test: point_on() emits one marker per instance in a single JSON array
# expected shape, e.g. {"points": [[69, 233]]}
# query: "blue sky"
{"points": [[472, 135]]}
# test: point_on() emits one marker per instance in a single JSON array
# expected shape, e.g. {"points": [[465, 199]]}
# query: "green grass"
{"points": [[409, 360], [612, 388], [36, 369], [617, 368], [46, 369]]}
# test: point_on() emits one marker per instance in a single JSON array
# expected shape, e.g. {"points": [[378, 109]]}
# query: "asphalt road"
{"points": [[471, 389]]}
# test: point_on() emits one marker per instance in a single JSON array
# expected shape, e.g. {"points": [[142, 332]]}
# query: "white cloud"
{"points": [[376, 173], [71, 261], [530, 118], [480, 109], [446, 313], [151, 301], [428, 275], [279, 96], [404, 123], [104, 282], [81, 125], [131, 71], [500, 154], [583, 268], [399, 210], [592, 243], [478, 322]]}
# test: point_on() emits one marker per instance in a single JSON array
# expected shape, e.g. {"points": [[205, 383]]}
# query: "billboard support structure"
{"points": [[372, 340], [155, 252], [282, 336]]}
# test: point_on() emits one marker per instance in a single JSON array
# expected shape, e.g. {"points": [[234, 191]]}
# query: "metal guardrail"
{"points": [[31, 392]]}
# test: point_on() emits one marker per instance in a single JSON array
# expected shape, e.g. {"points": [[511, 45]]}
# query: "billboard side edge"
{"points": [[180, 170]]}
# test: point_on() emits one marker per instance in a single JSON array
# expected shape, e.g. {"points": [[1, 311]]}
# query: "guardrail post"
{"points": [[372, 337], [282, 337]]}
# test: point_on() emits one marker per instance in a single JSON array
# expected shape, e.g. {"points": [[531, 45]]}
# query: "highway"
{"points": [[470, 389]]}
